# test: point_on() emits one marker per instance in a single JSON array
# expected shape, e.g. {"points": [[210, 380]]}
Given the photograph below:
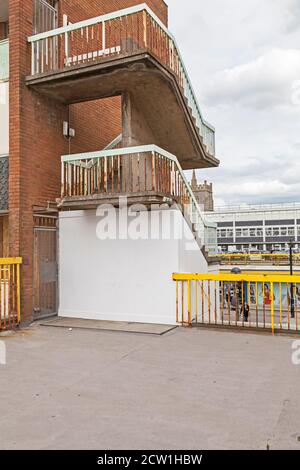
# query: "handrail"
{"points": [[258, 255], [10, 261], [295, 279], [206, 130], [275, 259], [258, 207], [114, 142], [136, 150]]}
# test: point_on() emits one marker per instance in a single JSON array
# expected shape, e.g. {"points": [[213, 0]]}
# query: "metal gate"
{"points": [[10, 309], [45, 275]]}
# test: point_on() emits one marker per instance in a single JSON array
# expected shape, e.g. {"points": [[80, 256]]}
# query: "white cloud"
{"points": [[263, 188], [291, 13], [265, 82], [243, 59]]}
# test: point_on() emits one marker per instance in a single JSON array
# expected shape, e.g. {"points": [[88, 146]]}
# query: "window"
{"points": [[283, 231], [45, 16], [3, 30], [276, 231], [260, 232], [291, 231], [225, 233], [238, 232], [245, 232], [252, 232]]}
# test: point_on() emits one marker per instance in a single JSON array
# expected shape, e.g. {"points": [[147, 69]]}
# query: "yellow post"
{"points": [[197, 301], [189, 302], [18, 294], [272, 307], [280, 303], [177, 313]]}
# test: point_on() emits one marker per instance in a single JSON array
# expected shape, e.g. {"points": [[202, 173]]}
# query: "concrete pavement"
{"points": [[191, 389]]}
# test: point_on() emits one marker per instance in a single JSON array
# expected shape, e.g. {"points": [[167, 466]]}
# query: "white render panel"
{"points": [[120, 280], [4, 119]]}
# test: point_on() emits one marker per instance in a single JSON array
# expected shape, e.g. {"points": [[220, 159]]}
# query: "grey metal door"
{"points": [[45, 274]]}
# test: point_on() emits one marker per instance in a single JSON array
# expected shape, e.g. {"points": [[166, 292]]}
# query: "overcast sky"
{"points": [[244, 64]]}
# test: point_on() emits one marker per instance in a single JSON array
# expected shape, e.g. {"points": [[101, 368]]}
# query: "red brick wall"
{"points": [[36, 140], [96, 124], [78, 10]]}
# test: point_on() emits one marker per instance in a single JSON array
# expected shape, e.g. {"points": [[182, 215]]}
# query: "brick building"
{"points": [[59, 73]]}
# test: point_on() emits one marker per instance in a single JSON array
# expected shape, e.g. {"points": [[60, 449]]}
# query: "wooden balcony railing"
{"points": [[147, 170], [121, 33]]}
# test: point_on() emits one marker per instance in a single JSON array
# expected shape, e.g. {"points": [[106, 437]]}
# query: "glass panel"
{"points": [[4, 60], [45, 16]]}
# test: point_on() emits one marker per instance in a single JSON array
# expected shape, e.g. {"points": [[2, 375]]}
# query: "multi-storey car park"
{"points": [[264, 228]]}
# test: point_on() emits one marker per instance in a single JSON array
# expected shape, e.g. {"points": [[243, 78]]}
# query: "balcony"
{"points": [[145, 175], [4, 60], [127, 51]]}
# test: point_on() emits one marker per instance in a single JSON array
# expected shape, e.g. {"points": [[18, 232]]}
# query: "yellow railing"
{"points": [[258, 258], [270, 302], [10, 284]]}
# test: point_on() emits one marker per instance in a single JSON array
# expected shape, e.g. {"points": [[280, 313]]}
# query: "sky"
{"points": [[244, 64]]}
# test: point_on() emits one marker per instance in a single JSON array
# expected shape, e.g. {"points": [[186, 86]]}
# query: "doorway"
{"points": [[45, 269]]}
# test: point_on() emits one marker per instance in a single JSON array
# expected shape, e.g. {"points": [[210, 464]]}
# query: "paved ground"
{"points": [[191, 388]]}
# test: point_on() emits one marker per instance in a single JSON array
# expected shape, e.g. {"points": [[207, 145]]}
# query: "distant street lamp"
{"points": [[291, 245]]}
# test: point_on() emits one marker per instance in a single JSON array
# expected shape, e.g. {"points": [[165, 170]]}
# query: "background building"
{"points": [[257, 227], [203, 193]]}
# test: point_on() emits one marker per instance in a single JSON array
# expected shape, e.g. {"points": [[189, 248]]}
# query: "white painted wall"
{"points": [[4, 119], [121, 280]]}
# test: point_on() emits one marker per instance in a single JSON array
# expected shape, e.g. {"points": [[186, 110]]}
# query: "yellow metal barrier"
{"points": [[270, 302], [10, 285], [258, 258]]}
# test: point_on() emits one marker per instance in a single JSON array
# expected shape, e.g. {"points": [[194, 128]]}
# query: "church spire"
{"points": [[194, 182]]}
